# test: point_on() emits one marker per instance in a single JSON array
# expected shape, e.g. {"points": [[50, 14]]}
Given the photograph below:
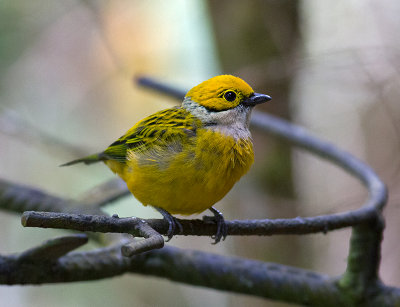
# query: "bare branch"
{"points": [[194, 227], [20, 198], [153, 240], [105, 193], [13, 124], [192, 267], [160, 87], [53, 249], [198, 268], [99, 223]]}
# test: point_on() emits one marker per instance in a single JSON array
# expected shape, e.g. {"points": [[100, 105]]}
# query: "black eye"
{"points": [[230, 96]]}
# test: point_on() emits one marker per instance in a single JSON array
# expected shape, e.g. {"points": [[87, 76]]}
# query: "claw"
{"points": [[172, 223], [222, 230]]}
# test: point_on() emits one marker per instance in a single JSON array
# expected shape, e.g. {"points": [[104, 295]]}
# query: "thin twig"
{"points": [[160, 87], [153, 240], [20, 198], [99, 223], [14, 125], [105, 193]]}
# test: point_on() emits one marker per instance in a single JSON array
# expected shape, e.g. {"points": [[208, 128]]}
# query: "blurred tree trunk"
{"points": [[256, 41]]}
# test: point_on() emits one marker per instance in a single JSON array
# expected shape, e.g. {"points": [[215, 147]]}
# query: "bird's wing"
{"points": [[162, 129]]}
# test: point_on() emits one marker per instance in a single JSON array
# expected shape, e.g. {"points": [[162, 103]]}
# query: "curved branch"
{"points": [[301, 138]]}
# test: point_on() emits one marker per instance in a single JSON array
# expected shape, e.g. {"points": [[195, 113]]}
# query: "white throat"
{"points": [[233, 122]]}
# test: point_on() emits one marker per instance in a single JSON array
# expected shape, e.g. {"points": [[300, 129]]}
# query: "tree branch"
{"points": [[105, 193], [19, 198], [53, 249], [192, 267], [193, 227]]}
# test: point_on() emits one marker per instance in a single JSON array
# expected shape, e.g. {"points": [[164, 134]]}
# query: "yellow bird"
{"points": [[184, 159]]}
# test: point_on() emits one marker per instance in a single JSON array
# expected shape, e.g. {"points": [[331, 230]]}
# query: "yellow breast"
{"points": [[190, 179]]}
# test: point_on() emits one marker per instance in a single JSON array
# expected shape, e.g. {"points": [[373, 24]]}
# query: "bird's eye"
{"points": [[230, 96]]}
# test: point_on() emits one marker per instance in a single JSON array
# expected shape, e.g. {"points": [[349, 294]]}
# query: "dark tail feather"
{"points": [[87, 160]]}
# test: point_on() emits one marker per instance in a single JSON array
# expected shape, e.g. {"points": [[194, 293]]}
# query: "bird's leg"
{"points": [[222, 230], [172, 222]]}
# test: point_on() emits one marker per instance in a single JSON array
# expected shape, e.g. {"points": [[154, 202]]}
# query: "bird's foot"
{"points": [[173, 223], [222, 230]]}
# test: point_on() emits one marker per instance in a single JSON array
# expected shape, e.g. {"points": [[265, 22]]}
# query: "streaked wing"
{"points": [[158, 130]]}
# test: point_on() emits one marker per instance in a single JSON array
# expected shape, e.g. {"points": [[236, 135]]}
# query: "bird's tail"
{"points": [[87, 160]]}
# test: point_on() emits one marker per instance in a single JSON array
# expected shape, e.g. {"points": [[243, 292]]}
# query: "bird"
{"points": [[185, 159]]}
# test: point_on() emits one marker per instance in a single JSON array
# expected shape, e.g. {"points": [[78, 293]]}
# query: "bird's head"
{"points": [[223, 100]]}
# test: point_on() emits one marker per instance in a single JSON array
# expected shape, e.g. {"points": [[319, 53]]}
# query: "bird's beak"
{"points": [[255, 99]]}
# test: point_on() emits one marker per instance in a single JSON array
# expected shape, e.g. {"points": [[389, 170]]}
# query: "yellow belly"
{"points": [[191, 179]]}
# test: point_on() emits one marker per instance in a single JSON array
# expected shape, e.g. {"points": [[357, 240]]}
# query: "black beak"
{"points": [[256, 98]]}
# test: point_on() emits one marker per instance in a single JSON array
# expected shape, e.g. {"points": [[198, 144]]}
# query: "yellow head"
{"points": [[220, 93], [224, 103]]}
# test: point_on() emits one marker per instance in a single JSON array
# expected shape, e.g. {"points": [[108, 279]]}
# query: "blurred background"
{"points": [[66, 90]]}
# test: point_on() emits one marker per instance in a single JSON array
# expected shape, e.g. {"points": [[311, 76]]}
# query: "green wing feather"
{"points": [[163, 128], [160, 129]]}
